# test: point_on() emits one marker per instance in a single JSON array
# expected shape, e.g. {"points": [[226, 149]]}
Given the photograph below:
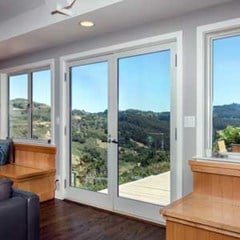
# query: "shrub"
{"points": [[231, 135]]}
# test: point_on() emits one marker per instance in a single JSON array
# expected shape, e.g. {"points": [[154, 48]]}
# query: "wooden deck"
{"points": [[153, 189]]}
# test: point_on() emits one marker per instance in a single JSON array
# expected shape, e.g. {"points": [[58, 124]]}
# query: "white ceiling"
{"points": [[12, 8], [114, 17]]}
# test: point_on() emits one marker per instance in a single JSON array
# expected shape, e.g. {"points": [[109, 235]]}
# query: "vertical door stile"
{"points": [[113, 134]]}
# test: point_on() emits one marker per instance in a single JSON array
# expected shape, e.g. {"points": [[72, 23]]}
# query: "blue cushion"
{"points": [[4, 153], [11, 150], [5, 188]]}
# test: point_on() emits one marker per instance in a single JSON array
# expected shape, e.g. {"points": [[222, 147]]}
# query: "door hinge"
{"points": [[65, 77], [176, 60], [65, 131], [175, 134], [65, 183]]}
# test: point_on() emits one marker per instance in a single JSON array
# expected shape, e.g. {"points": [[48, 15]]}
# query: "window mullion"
{"points": [[209, 96], [30, 105], [8, 105]]}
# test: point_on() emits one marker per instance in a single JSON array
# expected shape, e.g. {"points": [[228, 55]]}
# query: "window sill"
{"points": [[232, 158], [33, 142]]}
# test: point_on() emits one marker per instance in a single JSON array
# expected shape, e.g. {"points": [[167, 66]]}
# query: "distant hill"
{"points": [[143, 136], [227, 111], [139, 126], [41, 111], [144, 127], [41, 116], [21, 103], [226, 115]]}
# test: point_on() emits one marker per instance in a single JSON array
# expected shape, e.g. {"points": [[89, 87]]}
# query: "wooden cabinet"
{"points": [[212, 211], [187, 232]]}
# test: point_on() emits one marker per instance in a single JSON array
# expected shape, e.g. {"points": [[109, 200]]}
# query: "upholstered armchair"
{"points": [[19, 213]]}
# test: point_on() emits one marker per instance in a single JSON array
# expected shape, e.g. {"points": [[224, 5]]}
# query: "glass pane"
{"points": [[226, 98], [89, 94], [41, 108], [18, 106], [144, 127]]}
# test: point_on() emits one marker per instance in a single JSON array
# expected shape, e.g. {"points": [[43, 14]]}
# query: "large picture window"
{"points": [[225, 91], [29, 108], [218, 87]]}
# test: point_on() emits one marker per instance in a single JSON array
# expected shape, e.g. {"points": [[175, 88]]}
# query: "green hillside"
{"points": [[143, 146], [225, 115], [143, 137], [41, 119]]}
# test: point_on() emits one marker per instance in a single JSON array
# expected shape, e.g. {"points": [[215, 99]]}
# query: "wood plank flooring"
{"points": [[64, 220]]}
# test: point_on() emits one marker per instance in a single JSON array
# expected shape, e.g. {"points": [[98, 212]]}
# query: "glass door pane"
{"points": [[144, 127], [89, 128], [18, 106]]}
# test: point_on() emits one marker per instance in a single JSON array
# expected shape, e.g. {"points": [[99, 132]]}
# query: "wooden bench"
{"points": [[212, 211], [33, 169]]}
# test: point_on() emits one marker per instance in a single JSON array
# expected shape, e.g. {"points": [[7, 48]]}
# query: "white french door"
{"points": [[88, 178], [146, 126], [122, 138]]}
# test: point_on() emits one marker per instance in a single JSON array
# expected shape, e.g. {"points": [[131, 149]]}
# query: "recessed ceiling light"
{"points": [[87, 24]]}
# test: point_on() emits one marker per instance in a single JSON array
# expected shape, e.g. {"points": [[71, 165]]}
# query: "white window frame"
{"points": [[205, 36], [4, 86]]}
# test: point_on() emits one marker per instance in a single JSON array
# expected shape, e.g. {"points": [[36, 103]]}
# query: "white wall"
{"points": [[188, 24]]}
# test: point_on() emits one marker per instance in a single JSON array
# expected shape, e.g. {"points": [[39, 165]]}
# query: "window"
{"points": [[225, 91], [29, 108], [218, 86]]}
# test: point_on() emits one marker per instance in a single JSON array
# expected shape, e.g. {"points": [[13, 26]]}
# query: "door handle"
{"points": [[114, 141], [110, 140]]}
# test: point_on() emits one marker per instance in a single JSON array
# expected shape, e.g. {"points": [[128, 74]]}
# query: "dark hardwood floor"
{"points": [[71, 221]]}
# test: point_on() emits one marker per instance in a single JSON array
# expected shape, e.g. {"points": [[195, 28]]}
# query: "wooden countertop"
{"points": [[14, 171], [203, 210], [214, 167]]}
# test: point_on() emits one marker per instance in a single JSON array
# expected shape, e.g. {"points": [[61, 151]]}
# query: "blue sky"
{"points": [[41, 86], [226, 70], [144, 84], [18, 86], [89, 87], [144, 81]]}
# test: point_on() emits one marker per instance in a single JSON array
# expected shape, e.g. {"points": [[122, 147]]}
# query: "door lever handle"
{"points": [[112, 141]]}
